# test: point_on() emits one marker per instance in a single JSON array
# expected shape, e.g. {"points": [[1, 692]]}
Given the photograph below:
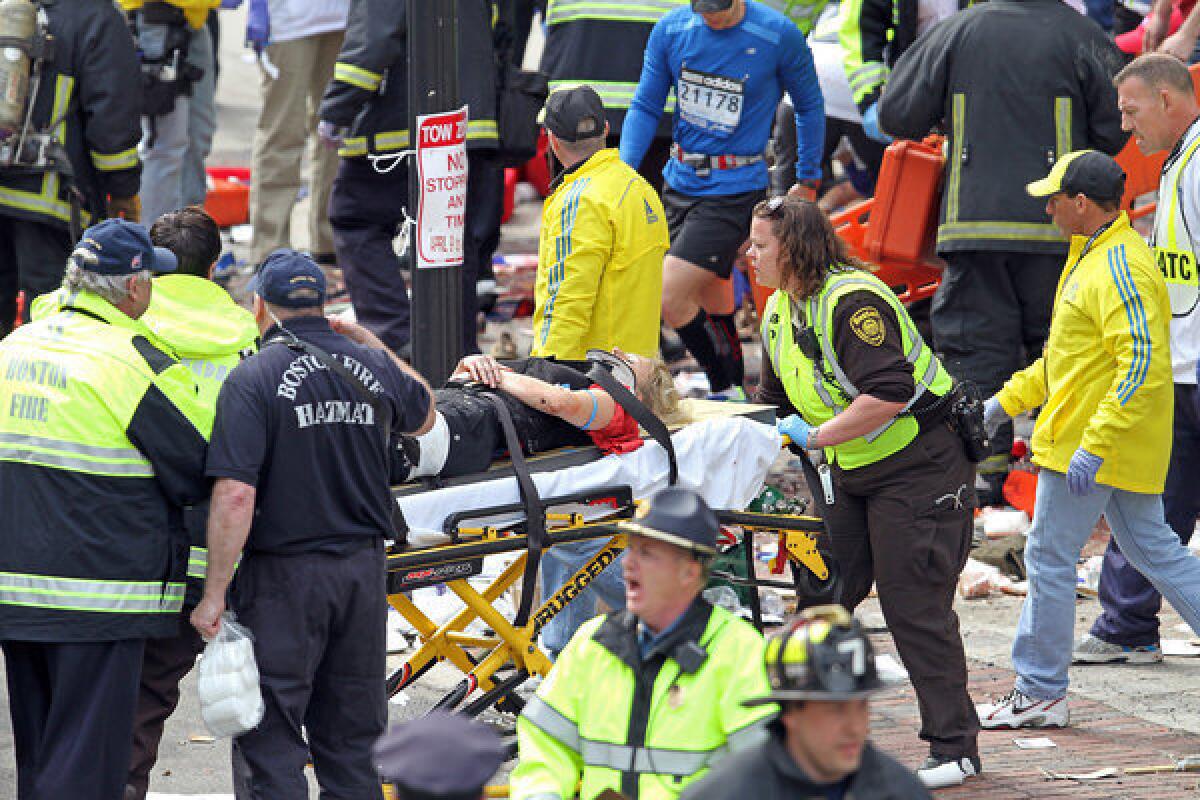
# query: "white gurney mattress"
{"points": [[725, 459]]}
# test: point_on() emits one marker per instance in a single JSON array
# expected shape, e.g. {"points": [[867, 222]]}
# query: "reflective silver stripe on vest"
{"points": [[646, 760], [74, 456], [545, 796], [552, 722], [78, 594]]}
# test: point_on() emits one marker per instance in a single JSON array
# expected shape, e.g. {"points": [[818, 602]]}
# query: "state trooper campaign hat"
{"points": [[678, 516], [290, 279], [574, 114], [1086, 172], [440, 755], [117, 247], [824, 654], [705, 6]]}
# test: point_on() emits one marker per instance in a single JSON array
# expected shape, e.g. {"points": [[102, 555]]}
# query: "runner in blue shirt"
{"points": [[729, 62]]}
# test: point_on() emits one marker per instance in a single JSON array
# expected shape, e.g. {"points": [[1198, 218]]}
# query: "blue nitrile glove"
{"points": [[871, 125], [994, 416], [795, 428], [258, 25], [1081, 474], [229, 5]]}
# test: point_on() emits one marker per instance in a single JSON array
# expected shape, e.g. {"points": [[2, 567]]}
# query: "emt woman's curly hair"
{"points": [[809, 248]]}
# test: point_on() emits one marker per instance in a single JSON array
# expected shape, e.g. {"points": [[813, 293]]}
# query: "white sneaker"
{"points": [[938, 773], [1017, 710], [1094, 650]]}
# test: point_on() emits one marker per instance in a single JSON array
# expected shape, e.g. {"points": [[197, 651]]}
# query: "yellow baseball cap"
{"points": [[1086, 172]]}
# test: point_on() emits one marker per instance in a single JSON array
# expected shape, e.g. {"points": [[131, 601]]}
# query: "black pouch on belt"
{"points": [[966, 416]]}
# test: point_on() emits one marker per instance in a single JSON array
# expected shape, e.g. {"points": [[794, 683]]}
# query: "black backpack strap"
{"points": [[535, 510], [641, 413]]}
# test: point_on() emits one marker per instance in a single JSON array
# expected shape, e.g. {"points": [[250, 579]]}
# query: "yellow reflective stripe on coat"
{"points": [[957, 132], [616, 95], [357, 76], [384, 142], [110, 162], [651, 11], [77, 594], [478, 129], [197, 562], [1062, 126], [998, 229], [46, 201]]}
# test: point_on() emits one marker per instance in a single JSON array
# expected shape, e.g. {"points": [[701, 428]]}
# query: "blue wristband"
{"points": [[592, 416]]}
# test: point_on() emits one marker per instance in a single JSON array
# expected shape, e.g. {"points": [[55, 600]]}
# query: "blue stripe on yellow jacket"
{"points": [[1104, 381]]}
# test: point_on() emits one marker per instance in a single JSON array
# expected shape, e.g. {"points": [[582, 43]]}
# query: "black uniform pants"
{"points": [[365, 212], [905, 524], [72, 709], [320, 639], [991, 316], [485, 207], [33, 257], [165, 662]]}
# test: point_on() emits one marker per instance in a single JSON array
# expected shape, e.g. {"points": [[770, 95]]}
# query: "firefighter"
{"points": [[643, 701], [78, 161], [822, 671], [853, 379], [365, 114], [100, 456]]}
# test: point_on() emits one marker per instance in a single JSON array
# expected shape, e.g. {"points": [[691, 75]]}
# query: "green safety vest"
{"points": [[70, 387], [820, 389], [1173, 242]]}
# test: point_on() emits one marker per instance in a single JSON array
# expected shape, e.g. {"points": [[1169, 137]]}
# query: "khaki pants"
{"points": [[289, 118]]}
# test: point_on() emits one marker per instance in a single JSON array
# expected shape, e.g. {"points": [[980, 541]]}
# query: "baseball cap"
{"points": [[574, 114], [1087, 172], [440, 754], [705, 6], [117, 247], [290, 279]]}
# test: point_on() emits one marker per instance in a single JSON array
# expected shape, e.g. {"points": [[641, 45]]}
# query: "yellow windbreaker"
{"points": [[1104, 379], [196, 11], [599, 278]]}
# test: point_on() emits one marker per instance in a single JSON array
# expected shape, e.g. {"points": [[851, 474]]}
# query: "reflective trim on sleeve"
{"points": [[384, 142], [993, 229], [650, 11], [1062, 126], [111, 162], [77, 594], [46, 201], [616, 95], [357, 76], [482, 129], [197, 562], [552, 722]]}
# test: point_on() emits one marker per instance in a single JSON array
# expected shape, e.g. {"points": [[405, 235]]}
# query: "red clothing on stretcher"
{"points": [[620, 435]]}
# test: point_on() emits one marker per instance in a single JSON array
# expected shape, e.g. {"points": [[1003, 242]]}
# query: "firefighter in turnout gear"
{"points": [[76, 160], [645, 700]]}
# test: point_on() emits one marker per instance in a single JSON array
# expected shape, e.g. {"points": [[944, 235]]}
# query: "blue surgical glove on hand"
{"points": [[994, 416], [1081, 474], [795, 428], [871, 125]]}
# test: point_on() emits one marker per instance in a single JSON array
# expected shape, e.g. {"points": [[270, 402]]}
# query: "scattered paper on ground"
{"points": [[1105, 772], [1034, 743], [1180, 647]]}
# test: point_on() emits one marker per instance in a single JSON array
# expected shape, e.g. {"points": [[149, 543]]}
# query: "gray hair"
{"points": [[113, 288]]}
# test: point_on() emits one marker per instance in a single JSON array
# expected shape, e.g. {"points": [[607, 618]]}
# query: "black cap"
{"points": [[705, 6], [290, 279], [440, 754], [117, 247], [574, 114], [678, 516], [1086, 172]]}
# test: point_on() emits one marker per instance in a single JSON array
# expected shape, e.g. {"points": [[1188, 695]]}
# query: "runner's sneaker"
{"points": [[1094, 650], [938, 773], [1018, 710]]}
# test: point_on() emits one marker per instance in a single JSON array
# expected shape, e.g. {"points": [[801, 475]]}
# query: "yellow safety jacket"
{"points": [[97, 456], [1104, 379], [816, 383], [646, 728], [599, 277]]}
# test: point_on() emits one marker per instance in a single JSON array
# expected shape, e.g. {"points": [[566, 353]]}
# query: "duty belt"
{"points": [[704, 163]]}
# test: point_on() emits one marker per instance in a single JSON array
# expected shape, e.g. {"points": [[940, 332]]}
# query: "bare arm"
{"points": [[229, 520], [863, 415], [1181, 43], [1155, 25], [590, 409]]}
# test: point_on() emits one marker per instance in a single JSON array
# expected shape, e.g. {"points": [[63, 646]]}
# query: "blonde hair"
{"points": [[660, 394]]}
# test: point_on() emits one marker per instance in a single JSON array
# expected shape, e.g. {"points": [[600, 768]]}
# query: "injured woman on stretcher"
{"points": [[551, 404]]}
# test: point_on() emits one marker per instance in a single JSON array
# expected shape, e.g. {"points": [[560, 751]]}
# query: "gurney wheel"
{"points": [[809, 586]]}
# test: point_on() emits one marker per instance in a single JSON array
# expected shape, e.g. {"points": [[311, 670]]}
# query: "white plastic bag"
{"points": [[227, 681]]}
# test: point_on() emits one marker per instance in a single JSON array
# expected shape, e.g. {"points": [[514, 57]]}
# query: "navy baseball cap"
{"points": [[290, 279], [574, 114], [706, 6], [117, 247], [440, 754]]}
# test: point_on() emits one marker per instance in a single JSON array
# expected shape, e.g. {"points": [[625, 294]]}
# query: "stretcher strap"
{"points": [[641, 413], [535, 510]]}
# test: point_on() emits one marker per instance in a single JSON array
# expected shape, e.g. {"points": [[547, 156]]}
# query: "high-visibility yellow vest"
{"points": [[816, 383], [1173, 242]]}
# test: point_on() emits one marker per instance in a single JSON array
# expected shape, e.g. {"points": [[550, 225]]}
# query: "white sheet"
{"points": [[725, 459]]}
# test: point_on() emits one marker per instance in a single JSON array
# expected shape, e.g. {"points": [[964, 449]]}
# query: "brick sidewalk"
{"points": [[1099, 737]]}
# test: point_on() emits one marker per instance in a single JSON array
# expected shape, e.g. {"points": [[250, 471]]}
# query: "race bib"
{"points": [[1179, 270], [710, 102]]}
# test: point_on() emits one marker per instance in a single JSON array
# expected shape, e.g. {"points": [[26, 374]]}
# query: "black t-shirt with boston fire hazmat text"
{"points": [[310, 443]]}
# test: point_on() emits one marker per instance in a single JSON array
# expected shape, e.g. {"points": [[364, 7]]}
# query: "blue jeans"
{"points": [[558, 565], [1062, 524]]}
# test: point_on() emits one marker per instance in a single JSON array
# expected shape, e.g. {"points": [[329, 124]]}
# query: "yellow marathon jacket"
{"points": [[1104, 379]]}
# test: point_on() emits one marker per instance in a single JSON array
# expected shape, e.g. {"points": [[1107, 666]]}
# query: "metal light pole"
{"points": [[433, 88]]}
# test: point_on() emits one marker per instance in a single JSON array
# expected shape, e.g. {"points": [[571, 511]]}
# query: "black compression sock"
{"points": [[731, 352], [698, 337]]}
